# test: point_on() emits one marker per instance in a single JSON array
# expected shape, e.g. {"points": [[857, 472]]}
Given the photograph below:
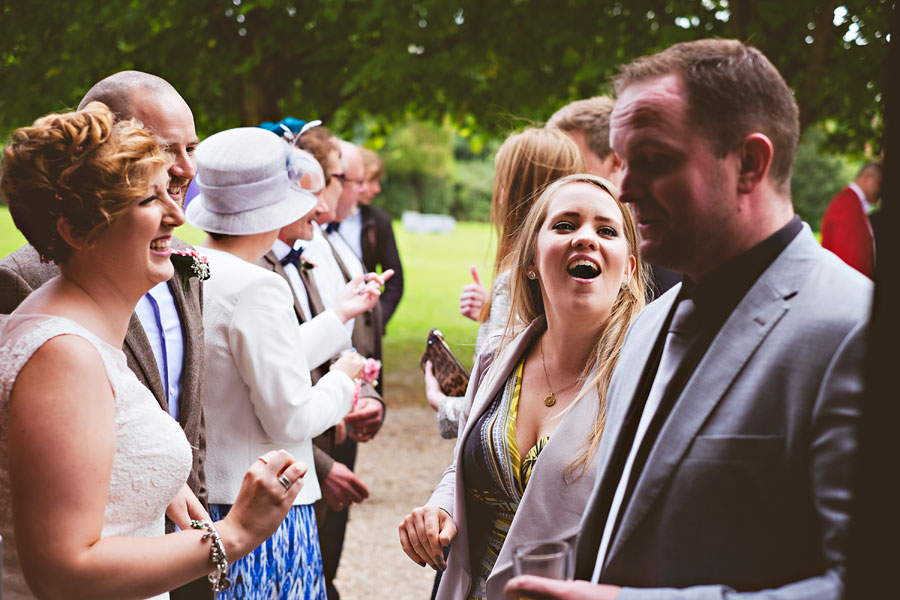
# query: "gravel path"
{"points": [[400, 467]]}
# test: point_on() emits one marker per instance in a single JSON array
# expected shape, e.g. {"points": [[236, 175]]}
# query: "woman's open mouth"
{"points": [[583, 268]]}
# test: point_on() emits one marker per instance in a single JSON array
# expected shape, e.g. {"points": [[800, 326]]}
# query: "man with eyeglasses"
{"points": [[338, 260]]}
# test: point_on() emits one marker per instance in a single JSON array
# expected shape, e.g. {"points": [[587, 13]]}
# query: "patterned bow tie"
{"points": [[332, 227], [293, 257]]}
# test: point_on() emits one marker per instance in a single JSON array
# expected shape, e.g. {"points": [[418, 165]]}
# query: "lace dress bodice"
{"points": [[152, 457]]}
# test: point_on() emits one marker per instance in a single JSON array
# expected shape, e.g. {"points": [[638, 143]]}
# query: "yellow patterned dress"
{"points": [[495, 479]]}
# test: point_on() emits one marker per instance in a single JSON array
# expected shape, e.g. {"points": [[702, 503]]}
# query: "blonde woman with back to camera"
{"points": [[535, 407], [89, 464]]}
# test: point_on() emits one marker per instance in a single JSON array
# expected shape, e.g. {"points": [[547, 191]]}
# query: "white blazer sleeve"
{"points": [[323, 337], [265, 342]]}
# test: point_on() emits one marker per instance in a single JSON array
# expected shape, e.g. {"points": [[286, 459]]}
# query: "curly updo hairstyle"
{"points": [[80, 166]]}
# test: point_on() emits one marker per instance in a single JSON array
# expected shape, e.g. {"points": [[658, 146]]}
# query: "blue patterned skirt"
{"points": [[287, 566]]}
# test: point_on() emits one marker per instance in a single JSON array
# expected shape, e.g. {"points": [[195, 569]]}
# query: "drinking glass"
{"points": [[544, 558]]}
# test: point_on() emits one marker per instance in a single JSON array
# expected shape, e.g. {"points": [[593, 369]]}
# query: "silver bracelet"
{"points": [[219, 577]]}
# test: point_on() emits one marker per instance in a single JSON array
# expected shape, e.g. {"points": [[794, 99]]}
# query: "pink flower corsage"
{"points": [[370, 374], [192, 264]]}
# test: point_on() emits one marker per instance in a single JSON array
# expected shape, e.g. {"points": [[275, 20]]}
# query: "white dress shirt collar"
{"points": [[861, 195], [280, 250]]}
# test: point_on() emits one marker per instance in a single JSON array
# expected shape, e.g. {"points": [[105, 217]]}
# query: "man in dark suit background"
{"points": [[725, 468], [846, 228], [164, 343], [379, 248]]}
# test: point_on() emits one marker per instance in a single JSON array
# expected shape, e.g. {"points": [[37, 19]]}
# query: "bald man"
{"points": [[164, 342]]}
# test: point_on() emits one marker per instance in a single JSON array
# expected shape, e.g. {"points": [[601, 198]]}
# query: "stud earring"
{"points": [[531, 274]]}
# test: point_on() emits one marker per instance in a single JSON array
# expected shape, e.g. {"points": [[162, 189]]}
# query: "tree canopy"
{"points": [[482, 63]]}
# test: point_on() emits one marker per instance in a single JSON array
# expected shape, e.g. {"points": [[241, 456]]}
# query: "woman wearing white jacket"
{"points": [[257, 391]]}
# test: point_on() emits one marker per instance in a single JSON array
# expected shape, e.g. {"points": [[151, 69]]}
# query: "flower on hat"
{"points": [[192, 265]]}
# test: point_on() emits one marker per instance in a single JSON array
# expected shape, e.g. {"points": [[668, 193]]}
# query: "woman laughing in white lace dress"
{"points": [[89, 464]]}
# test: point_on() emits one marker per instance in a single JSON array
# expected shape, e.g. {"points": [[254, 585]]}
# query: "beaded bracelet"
{"points": [[219, 577]]}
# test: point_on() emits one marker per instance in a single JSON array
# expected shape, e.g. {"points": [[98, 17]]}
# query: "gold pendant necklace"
{"points": [[550, 399]]}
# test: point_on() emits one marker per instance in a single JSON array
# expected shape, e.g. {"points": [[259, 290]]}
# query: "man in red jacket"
{"points": [[846, 229]]}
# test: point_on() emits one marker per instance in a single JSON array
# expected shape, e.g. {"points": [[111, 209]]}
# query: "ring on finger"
{"points": [[284, 481], [264, 461]]}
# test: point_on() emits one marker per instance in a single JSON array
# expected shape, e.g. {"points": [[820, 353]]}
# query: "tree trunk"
{"points": [[742, 13], [807, 95]]}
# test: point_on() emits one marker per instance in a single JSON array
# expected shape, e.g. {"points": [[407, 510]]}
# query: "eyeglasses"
{"points": [[342, 177]]}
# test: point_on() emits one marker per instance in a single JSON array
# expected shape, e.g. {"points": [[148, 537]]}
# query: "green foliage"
{"points": [[483, 63], [818, 176], [473, 184], [423, 173], [419, 147], [10, 237]]}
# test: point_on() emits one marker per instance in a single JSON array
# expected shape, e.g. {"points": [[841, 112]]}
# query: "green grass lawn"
{"points": [[435, 267]]}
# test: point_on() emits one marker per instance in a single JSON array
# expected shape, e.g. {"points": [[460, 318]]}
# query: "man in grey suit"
{"points": [[163, 345], [725, 467]]}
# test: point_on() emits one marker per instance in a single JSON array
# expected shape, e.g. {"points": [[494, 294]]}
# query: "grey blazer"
{"points": [[22, 272], [551, 508], [748, 485]]}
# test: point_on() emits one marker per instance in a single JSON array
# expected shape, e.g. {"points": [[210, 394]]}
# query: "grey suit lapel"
{"points": [[271, 262], [141, 360], [316, 306], [626, 386], [759, 311], [337, 257], [620, 397], [191, 334]]}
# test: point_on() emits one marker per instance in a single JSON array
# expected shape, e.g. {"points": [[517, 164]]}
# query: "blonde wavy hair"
{"points": [[525, 164], [527, 303], [80, 166]]}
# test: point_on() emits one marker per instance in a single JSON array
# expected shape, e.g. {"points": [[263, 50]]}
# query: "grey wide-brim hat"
{"points": [[242, 175]]}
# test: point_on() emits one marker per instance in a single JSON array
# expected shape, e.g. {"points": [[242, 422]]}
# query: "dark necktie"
{"points": [[293, 257], [332, 227], [680, 332]]}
